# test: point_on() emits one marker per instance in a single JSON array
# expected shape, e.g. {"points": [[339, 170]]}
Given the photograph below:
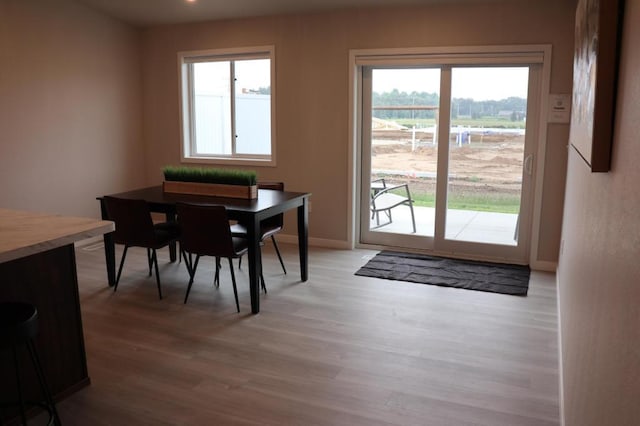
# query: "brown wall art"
{"points": [[595, 71]]}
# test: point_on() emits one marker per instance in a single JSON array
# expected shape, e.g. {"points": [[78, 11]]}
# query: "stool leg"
{"points": [[23, 416], [43, 382]]}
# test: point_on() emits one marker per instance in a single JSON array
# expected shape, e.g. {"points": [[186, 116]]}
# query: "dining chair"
{"points": [[268, 227], [205, 231], [135, 228]]}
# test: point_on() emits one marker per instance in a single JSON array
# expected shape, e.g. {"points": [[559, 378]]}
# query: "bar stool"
{"points": [[18, 327]]}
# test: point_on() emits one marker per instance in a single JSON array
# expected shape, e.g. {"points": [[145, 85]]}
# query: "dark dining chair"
{"points": [[205, 231], [268, 227], [135, 228]]}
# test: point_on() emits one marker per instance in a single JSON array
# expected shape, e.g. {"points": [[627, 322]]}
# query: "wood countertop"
{"points": [[25, 233]]}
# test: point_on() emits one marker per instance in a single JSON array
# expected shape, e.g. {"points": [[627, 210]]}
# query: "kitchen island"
{"points": [[37, 265]]}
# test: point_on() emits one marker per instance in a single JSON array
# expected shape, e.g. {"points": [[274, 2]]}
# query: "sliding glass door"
{"points": [[486, 154], [447, 156], [403, 148]]}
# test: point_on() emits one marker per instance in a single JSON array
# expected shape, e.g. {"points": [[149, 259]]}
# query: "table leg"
{"points": [[303, 238], [171, 217], [109, 249], [255, 263]]}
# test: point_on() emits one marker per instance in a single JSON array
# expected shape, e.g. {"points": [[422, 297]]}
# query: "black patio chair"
{"points": [[388, 198]]}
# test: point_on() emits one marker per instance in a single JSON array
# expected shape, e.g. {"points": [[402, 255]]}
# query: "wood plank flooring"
{"points": [[337, 350]]}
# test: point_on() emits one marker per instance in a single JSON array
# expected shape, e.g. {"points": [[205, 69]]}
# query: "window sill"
{"points": [[230, 161]]}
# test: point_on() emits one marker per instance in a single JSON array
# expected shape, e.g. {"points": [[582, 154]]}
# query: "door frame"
{"points": [[518, 54]]}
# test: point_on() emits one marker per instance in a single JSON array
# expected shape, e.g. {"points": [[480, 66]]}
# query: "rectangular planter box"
{"points": [[211, 189]]}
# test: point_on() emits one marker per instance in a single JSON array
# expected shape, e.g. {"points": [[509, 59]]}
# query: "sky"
{"points": [[479, 84], [214, 77]]}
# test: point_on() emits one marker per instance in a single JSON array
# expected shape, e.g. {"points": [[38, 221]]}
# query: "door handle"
{"points": [[528, 163]]}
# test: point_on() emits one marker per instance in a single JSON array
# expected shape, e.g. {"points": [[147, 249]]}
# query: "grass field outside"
{"points": [[483, 202]]}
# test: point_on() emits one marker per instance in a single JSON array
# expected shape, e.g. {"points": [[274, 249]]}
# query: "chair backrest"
{"points": [[134, 226], [380, 183], [205, 230], [277, 186], [276, 221]]}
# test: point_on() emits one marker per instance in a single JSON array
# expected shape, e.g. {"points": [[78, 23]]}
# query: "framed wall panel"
{"points": [[595, 71]]}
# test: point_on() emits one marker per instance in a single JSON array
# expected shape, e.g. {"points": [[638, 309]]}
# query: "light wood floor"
{"points": [[336, 350]]}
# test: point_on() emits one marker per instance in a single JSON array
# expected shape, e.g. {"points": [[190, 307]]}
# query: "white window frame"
{"points": [[185, 79]]}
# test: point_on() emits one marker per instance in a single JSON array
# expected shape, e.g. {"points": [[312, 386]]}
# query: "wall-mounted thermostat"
{"points": [[559, 108]]}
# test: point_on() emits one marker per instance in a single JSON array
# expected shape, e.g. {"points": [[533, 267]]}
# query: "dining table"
{"points": [[250, 212]]}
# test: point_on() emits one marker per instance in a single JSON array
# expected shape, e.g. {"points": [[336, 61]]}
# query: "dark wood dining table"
{"points": [[250, 212]]}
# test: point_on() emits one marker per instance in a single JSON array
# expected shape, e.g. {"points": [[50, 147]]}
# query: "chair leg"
{"points": [[275, 244], [21, 402], [233, 281], [264, 288], [192, 274], [413, 219], [124, 255], [216, 277], [187, 261], [149, 261], [154, 256], [43, 382]]}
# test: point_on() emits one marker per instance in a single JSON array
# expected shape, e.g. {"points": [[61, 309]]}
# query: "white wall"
{"points": [[599, 270], [70, 107], [312, 98]]}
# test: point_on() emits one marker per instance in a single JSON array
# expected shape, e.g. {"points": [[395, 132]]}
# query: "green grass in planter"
{"points": [[209, 175]]}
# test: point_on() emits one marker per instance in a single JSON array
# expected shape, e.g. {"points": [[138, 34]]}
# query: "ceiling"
{"points": [[146, 13]]}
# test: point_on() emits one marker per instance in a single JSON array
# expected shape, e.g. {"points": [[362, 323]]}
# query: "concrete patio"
{"points": [[462, 225]]}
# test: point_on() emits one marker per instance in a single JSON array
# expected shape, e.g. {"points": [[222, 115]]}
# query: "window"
{"points": [[227, 99]]}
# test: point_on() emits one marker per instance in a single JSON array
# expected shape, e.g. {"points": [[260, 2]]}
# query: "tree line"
{"points": [[513, 108]]}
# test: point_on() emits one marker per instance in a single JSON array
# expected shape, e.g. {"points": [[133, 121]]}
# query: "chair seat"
{"points": [[166, 232], [268, 231], [388, 201], [18, 323], [239, 230], [240, 245], [240, 242]]}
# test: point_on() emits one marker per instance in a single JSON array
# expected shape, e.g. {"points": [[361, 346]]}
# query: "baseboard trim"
{"points": [[541, 265], [560, 374], [316, 242]]}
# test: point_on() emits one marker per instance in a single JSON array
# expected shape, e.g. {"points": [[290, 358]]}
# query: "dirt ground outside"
{"points": [[490, 164]]}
